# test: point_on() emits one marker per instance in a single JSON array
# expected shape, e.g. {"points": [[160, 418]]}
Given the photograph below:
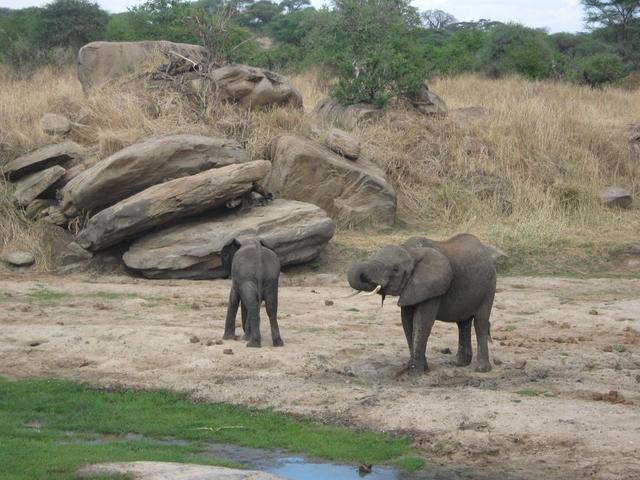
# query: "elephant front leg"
{"points": [[406, 314], [423, 318], [232, 311]]}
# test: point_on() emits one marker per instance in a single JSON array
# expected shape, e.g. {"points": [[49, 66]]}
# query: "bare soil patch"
{"points": [[563, 400]]}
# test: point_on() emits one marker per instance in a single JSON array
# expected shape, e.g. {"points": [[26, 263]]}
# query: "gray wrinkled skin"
{"points": [[452, 281], [255, 270]]}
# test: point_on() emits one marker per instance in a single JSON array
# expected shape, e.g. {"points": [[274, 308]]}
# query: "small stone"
{"points": [[218, 342], [228, 351], [608, 348], [328, 303], [497, 361], [365, 468], [343, 144], [209, 343], [194, 339], [35, 343], [19, 259], [593, 311], [195, 306], [616, 197], [637, 378], [520, 364], [55, 124], [445, 350]]}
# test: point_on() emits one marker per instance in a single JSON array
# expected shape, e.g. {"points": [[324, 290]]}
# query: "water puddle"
{"points": [[288, 466]]}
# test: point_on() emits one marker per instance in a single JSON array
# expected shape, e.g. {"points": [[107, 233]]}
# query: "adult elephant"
{"points": [[452, 280]]}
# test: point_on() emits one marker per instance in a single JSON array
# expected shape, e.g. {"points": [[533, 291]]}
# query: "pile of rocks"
{"points": [[166, 200]]}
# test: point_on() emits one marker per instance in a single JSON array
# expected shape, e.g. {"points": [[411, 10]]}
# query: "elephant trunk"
{"points": [[357, 279]]}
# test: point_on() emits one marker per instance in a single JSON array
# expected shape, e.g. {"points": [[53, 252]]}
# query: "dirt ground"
{"points": [[562, 401]]}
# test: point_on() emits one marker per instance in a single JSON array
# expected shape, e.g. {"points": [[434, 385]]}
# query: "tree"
{"points": [[616, 15], [294, 5], [437, 19], [259, 13], [71, 23], [163, 20]]}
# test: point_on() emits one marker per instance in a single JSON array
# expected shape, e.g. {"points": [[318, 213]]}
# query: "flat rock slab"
{"points": [[32, 186], [296, 231], [58, 154], [144, 164], [170, 201], [18, 259], [171, 471], [352, 193]]}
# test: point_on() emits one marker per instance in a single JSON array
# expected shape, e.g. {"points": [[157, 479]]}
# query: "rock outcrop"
{"points": [[170, 201], [32, 186], [64, 154], [343, 144], [350, 192], [99, 62], [254, 87], [18, 259], [296, 231], [331, 111], [144, 164]]}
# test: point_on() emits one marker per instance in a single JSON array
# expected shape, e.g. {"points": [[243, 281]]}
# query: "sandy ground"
{"points": [[564, 342]]}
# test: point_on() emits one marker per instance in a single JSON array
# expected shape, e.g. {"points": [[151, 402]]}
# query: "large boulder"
{"points": [[330, 110], [296, 231], [170, 201], [350, 192], [32, 186], [255, 87], [144, 164], [65, 154], [170, 471], [99, 62]]}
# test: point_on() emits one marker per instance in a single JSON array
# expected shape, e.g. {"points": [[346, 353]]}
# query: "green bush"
{"points": [[516, 49], [601, 68]]}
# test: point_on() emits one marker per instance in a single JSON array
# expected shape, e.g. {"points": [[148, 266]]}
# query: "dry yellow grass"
{"points": [[524, 176]]}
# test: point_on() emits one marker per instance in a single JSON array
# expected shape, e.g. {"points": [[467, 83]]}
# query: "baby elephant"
{"points": [[255, 270]]}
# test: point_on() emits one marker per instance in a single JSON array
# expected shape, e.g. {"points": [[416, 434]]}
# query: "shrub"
{"points": [[516, 49], [601, 68]]}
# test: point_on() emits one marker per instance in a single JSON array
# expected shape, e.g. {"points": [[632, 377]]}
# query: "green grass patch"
{"points": [[531, 392], [49, 428]]}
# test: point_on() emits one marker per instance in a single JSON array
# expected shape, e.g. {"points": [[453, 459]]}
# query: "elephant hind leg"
{"points": [[232, 311], [250, 301], [271, 305], [465, 351], [482, 327]]}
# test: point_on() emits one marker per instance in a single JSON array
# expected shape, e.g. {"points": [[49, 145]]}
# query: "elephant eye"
{"points": [[395, 269]]}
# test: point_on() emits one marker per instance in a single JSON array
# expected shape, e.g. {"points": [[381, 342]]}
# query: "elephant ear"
{"points": [[227, 253], [431, 277]]}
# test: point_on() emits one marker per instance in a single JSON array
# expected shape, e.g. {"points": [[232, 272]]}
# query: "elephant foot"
{"points": [[418, 369], [229, 336], [254, 343], [463, 360], [246, 336], [482, 367], [278, 342]]}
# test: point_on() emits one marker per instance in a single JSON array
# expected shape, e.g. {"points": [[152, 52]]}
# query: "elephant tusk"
{"points": [[373, 292], [353, 294]]}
